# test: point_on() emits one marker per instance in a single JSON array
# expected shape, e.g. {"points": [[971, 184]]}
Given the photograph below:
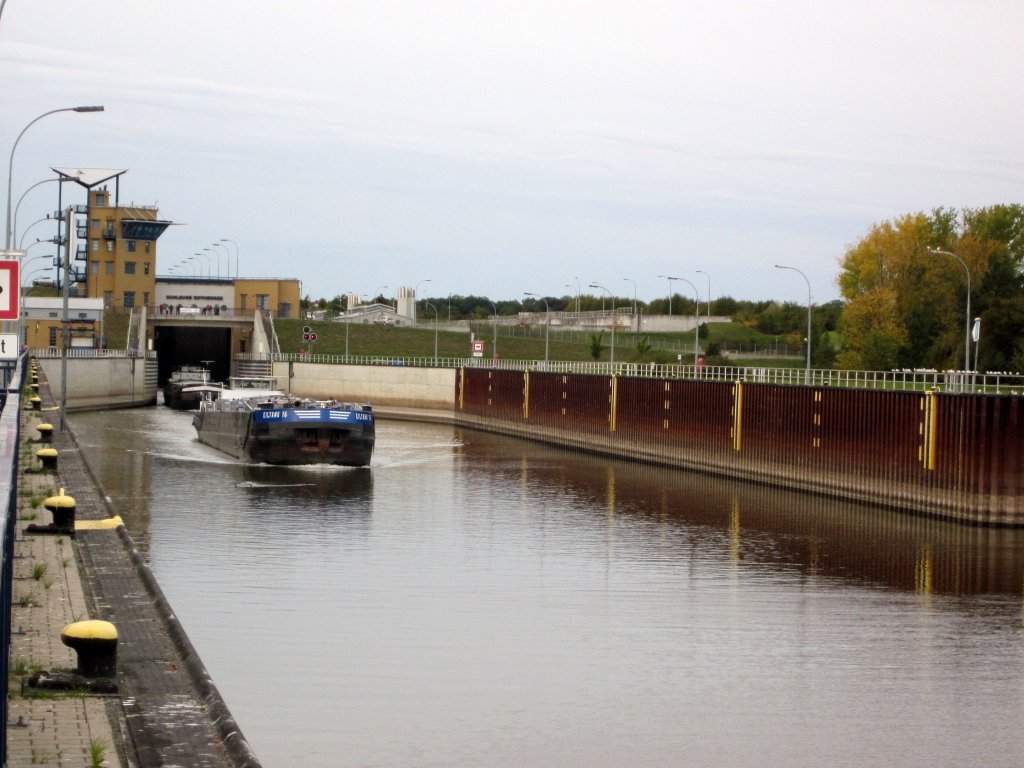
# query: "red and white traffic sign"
{"points": [[9, 290]]}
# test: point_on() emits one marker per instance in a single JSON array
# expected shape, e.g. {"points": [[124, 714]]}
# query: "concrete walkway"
{"points": [[167, 712], [46, 729]]}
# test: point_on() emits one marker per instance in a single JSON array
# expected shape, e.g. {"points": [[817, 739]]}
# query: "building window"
{"points": [[145, 267], [94, 225], [108, 298], [129, 267], [95, 246], [285, 310], [145, 298], [263, 301], [94, 267], [53, 335], [129, 299], [147, 244], [108, 267], [110, 246], [129, 245]]}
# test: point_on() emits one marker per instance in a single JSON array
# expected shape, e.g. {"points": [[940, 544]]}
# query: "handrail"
{"points": [[10, 442], [87, 352], [918, 380]]}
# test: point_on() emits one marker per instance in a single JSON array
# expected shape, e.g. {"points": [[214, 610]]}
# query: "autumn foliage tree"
{"points": [[906, 306]]}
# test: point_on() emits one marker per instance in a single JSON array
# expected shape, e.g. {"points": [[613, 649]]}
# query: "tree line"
{"points": [[904, 289]]}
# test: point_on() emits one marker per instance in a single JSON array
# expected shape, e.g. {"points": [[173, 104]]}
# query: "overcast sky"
{"points": [[497, 148]]}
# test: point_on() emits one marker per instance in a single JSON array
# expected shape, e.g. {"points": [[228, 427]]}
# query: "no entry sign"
{"points": [[9, 290]]}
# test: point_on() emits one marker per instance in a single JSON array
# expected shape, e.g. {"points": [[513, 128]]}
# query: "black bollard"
{"points": [[63, 509], [48, 457], [45, 433], [95, 642]]}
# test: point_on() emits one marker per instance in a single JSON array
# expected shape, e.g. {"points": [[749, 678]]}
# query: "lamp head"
{"points": [[88, 109]]}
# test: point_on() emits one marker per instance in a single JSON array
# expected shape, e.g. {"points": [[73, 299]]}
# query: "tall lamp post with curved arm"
{"points": [[967, 319], [225, 240], [807, 376], [696, 321], [636, 317], [416, 294], [598, 285], [10, 163], [702, 272], [670, 279], [427, 303], [547, 321], [495, 353], [17, 207]]}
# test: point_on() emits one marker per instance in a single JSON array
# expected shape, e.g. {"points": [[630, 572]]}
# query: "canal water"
{"points": [[473, 600]]}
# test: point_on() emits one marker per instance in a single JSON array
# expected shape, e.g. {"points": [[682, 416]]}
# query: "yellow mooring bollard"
{"points": [[37, 402], [45, 433], [63, 509], [48, 457], [95, 642]]}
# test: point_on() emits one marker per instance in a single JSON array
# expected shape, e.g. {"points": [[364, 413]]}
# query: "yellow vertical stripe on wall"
{"points": [[929, 422], [737, 416], [615, 402]]}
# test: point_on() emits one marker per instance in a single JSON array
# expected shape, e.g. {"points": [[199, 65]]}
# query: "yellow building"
{"points": [[43, 318], [120, 251], [280, 296], [114, 251]]}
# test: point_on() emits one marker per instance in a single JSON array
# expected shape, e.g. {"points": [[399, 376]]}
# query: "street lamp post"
{"points": [[967, 316], [435, 330], [10, 164], [696, 321], [21, 245], [17, 207], [670, 279], [495, 323], [210, 254], [25, 282], [635, 316], [416, 294], [598, 285], [807, 376], [227, 251], [702, 272], [547, 322], [225, 240]]}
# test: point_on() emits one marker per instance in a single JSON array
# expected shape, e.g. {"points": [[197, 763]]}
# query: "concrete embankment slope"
{"points": [[167, 711]]}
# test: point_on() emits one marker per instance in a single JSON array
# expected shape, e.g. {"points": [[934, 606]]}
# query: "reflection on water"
{"points": [[478, 600]]}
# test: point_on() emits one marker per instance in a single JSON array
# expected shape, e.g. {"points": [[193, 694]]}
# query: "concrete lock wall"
{"points": [[101, 382], [957, 456], [394, 385]]}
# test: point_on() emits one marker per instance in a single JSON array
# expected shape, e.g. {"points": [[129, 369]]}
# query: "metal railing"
{"points": [[10, 441], [89, 352], [908, 380]]}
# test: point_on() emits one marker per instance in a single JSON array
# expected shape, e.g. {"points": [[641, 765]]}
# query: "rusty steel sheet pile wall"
{"points": [[947, 455]]}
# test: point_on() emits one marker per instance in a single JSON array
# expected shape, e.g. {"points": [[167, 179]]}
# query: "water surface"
{"points": [[473, 600]]}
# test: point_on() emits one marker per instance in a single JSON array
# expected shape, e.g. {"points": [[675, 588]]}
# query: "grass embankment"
{"points": [[513, 343]]}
